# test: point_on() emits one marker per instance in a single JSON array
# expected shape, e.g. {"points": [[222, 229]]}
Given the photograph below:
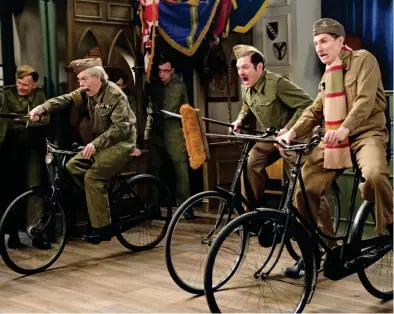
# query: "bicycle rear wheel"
{"points": [[187, 242], [28, 219], [143, 210], [377, 279]]}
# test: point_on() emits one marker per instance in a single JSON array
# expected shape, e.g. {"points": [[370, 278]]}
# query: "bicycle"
{"points": [[140, 212], [185, 255], [259, 285]]}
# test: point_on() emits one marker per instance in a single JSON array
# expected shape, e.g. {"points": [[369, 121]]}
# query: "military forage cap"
{"points": [[82, 64], [24, 71], [328, 26], [241, 50]]}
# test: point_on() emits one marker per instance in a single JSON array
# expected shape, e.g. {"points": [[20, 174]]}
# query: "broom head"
{"points": [[196, 140]]}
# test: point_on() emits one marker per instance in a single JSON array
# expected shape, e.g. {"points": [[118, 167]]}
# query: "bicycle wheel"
{"points": [[329, 201], [377, 279], [143, 210], [187, 242], [29, 218], [252, 288]]}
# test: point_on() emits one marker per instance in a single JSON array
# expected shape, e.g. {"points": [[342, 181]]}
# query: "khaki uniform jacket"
{"points": [[168, 97], [275, 101], [11, 102], [365, 99], [112, 119]]}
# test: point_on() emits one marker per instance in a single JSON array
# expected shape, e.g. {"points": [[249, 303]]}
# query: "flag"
{"points": [[149, 15], [185, 23]]}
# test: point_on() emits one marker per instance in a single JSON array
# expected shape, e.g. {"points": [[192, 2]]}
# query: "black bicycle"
{"points": [[140, 210], [259, 285], [187, 242]]}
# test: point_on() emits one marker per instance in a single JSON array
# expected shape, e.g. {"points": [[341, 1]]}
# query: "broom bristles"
{"points": [[193, 136]]}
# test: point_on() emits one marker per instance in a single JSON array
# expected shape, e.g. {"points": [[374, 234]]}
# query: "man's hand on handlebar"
{"points": [[281, 132], [237, 124], [287, 137], [36, 112]]}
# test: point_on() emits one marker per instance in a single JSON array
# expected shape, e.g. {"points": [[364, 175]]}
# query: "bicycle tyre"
{"points": [[299, 233], [366, 210], [8, 217], [195, 288]]}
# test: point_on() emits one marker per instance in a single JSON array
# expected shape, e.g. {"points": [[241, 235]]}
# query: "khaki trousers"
{"points": [[261, 156], [370, 153], [93, 175], [171, 149]]}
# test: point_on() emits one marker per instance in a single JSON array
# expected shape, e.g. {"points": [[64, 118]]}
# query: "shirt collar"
{"points": [[28, 97], [260, 82], [98, 97], [346, 62], [170, 81]]}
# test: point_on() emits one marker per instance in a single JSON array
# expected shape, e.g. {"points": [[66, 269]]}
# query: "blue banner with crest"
{"points": [[184, 23]]}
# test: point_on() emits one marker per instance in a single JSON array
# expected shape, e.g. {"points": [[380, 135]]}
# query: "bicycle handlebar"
{"points": [[318, 134], [55, 149], [14, 116]]}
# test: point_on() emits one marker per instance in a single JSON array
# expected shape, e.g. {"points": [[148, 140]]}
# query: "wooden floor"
{"points": [[107, 278]]}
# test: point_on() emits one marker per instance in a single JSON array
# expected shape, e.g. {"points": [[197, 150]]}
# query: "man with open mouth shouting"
{"points": [[275, 101]]}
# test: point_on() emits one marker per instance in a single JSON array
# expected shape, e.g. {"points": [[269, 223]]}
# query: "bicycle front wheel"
{"points": [[187, 242], [29, 221], [258, 285]]}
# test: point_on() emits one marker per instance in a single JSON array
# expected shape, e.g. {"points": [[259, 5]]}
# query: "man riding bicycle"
{"points": [[275, 101], [115, 137], [351, 101]]}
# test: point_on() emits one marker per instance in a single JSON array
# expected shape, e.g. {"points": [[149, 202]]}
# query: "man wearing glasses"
{"points": [[163, 133]]}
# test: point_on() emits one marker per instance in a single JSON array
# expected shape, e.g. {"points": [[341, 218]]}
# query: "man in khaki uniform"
{"points": [[22, 146], [166, 143], [275, 101], [364, 126], [115, 135]]}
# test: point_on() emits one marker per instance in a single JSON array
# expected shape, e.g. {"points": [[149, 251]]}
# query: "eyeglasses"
{"points": [[165, 71]]}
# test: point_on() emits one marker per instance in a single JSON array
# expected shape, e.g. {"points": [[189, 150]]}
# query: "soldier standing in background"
{"points": [[22, 147], [166, 142], [120, 78]]}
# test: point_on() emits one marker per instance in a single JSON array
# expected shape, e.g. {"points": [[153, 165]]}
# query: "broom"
{"points": [[196, 138]]}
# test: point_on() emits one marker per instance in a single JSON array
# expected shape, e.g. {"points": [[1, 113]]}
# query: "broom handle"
{"points": [[232, 126], [13, 115], [214, 121]]}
